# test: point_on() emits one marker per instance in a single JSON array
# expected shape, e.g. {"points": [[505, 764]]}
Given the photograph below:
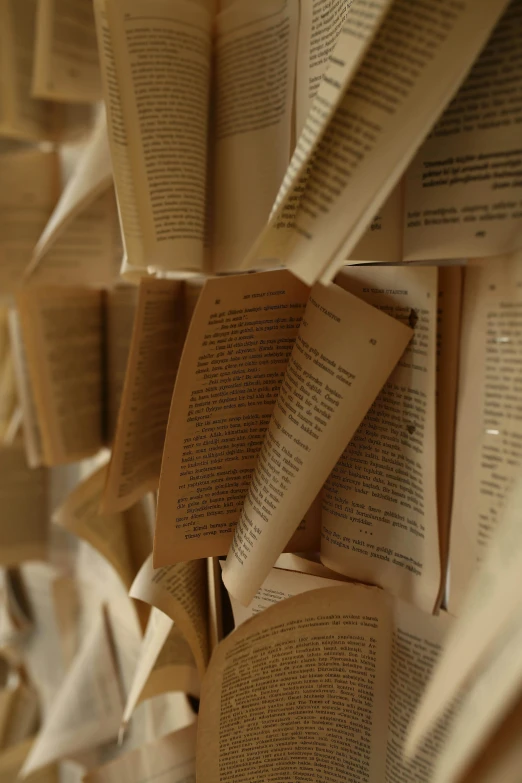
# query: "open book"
{"points": [[320, 687], [70, 349], [66, 66], [202, 124], [22, 115], [258, 390]]}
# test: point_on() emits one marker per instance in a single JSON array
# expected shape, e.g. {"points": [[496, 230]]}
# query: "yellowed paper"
{"points": [[156, 345], [234, 360], [356, 128], [66, 64], [181, 592], [165, 664], [63, 338], [343, 354], [379, 519]]}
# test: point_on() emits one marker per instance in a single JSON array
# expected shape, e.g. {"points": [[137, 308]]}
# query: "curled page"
{"points": [[165, 663], [234, 360], [379, 519], [343, 354], [87, 710], [91, 177], [364, 136], [181, 592]]}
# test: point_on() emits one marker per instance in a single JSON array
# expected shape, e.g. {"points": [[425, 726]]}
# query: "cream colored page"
{"points": [[365, 150], [278, 585], [215, 605], [98, 584], [163, 49], [234, 360], [171, 759], [344, 352], [26, 117], [91, 176], [154, 354], [124, 177], [12, 760], [448, 344], [29, 189], [66, 56], [89, 250], [179, 591], [62, 333], [23, 499], [87, 710], [352, 42], [417, 643], [491, 607], [462, 189], [79, 514], [488, 452], [255, 62], [31, 430], [43, 654], [121, 303], [486, 701], [379, 521], [165, 663], [271, 691], [320, 26]]}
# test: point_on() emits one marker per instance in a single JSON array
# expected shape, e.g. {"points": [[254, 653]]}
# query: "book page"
{"points": [[343, 354], [278, 586], [489, 613], [31, 430], [120, 309], [365, 149], [462, 189], [179, 591], [490, 697], [155, 351], [23, 496], [448, 348], [165, 664], [171, 759], [163, 49], [488, 452], [62, 331], [253, 130], [30, 182], [23, 116], [379, 520], [234, 360], [417, 643], [302, 689], [23, 714], [9, 397], [321, 25], [124, 177], [79, 514], [88, 707], [87, 252], [43, 653], [91, 176], [66, 64]]}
